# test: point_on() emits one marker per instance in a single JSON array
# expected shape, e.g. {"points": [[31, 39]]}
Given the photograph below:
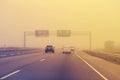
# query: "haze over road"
{"points": [[101, 17], [56, 66], [92, 25]]}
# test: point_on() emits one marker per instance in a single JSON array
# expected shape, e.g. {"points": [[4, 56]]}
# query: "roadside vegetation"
{"points": [[111, 52], [113, 57]]}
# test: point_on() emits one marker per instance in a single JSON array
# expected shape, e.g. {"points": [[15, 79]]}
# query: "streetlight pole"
{"points": [[26, 33]]}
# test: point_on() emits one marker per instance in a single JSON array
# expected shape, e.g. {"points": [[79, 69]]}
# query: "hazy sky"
{"points": [[101, 17]]}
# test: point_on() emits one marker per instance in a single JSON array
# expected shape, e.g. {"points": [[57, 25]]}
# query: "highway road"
{"points": [[40, 66]]}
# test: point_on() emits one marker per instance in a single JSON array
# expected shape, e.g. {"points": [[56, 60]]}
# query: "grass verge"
{"points": [[112, 57]]}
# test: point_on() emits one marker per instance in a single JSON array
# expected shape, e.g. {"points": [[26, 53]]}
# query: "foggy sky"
{"points": [[101, 17]]}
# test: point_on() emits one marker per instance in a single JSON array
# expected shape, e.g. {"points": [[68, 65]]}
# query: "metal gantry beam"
{"points": [[77, 33]]}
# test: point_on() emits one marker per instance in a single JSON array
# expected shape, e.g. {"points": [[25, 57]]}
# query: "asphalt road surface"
{"points": [[41, 66]]}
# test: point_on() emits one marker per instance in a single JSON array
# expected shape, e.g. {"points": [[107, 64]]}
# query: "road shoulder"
{"points": [[110, 70]]}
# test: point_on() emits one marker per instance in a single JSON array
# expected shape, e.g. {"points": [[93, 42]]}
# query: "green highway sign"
{"points": [[63, 33], [42, 33]]}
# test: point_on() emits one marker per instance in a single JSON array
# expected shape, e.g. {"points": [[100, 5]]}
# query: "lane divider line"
{"points": [[42, 60], [92, 68], [6, 76]]}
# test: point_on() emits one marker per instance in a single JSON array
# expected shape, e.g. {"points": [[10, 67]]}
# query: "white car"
{"points": [[66, 51]]}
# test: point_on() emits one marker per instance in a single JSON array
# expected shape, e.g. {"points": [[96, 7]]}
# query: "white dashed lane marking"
{"points": [[8, 75], [42, 60]]}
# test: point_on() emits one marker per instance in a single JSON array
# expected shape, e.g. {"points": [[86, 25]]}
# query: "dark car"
{"points": [[49, 48]]}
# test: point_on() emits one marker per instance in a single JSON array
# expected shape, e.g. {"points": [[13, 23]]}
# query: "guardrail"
{"points": [[15, 52]]}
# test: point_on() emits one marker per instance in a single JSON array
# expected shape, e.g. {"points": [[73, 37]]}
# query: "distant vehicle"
{"points": [[49, 48], [72, 49], [66, 50]]}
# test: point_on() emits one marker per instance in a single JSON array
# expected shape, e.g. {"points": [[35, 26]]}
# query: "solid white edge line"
{"points": [[92, 67], [6, 76]]}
